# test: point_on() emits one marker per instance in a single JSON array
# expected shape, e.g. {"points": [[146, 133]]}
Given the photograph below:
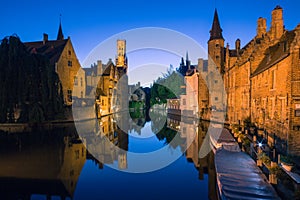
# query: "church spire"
{"points": [[188, 62], [216, 31], [60, 35]]}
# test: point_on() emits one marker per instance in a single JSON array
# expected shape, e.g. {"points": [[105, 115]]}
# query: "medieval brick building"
{"points": [[62, 57], [108, 83], [261, 80]]}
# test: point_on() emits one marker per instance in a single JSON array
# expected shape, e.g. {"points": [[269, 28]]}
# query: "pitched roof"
{"points": [[276, 53], [51, 49], [216, 31]]}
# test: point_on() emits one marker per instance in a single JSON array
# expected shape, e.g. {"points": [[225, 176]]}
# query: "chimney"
{"points": [[238, 46], [99, 68], [261, 29], [277, 27], [45, 38], [200, 64]]}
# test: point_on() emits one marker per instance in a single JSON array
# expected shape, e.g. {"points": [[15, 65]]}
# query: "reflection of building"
{"points": [[194, 133], [40, 164], [109, 144], [62, 57], [136, 93]]}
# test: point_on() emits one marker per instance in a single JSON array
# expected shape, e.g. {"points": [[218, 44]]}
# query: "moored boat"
{"points": [[238, 177]]}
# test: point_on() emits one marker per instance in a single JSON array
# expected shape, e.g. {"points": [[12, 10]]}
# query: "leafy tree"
{"points": [[30, 89], [167, 87]]}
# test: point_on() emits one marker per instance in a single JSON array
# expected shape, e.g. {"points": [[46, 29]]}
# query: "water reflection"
{"points": [[47, 164], [195, 134]]}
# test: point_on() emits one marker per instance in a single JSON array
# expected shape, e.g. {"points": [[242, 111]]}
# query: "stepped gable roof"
{"points": [[276, 53], [52, 49]]}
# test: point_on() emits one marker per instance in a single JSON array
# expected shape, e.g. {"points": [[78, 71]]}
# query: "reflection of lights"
{"points": [[260, 144]]}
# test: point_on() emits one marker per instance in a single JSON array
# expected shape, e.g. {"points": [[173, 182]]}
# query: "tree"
{"points": [[29, 84]]}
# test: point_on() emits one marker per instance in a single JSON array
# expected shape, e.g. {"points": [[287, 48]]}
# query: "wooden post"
{"points": [[259, 161], [273, 177], [254, 140]]}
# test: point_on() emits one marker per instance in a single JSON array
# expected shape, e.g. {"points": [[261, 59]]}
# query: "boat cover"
{"points": [[238, 177]]}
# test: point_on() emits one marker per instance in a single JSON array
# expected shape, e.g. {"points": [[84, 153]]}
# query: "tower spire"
{"points": [[60, 35], [216, 31], [188, 63], [187, 56]]}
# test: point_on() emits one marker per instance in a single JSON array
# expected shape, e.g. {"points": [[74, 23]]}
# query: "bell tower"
{"points": [[121, 60]]}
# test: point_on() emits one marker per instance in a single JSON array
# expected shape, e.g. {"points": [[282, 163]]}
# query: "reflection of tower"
{"points": [[122, 160], [122, 115], [123, 145]]}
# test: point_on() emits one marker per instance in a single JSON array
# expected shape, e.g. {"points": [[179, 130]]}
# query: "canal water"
{"points": [[98, 160]]}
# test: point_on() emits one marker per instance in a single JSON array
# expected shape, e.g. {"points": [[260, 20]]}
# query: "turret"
{"points": [[216, 44]]}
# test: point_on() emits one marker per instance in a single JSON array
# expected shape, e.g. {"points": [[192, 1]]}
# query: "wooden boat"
{"points": [[238, 177], [220, 138]]}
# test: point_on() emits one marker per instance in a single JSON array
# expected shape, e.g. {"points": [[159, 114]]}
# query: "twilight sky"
{"points": [[90, 22]]}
